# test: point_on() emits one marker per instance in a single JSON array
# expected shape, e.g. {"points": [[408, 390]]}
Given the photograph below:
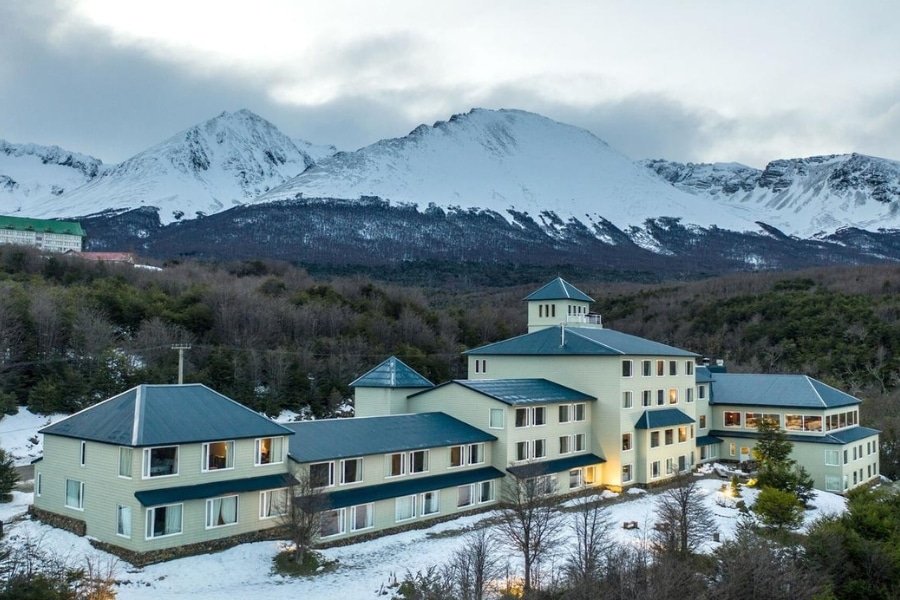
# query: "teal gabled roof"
{"points": [[559, 289], [666, 417], [41, 225], [329, 439], [517, 392], [155, 415], [784, 391], [392, 373], [567, 340]]}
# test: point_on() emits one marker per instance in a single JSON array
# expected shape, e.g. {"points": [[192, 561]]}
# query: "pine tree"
{"points": [[8, 476]]}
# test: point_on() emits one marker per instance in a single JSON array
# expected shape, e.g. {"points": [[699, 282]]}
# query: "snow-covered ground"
{"points": [[18, 434], [364, 569]]}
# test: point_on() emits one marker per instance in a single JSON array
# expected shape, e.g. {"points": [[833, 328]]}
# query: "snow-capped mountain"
{"points": [[506, 159], [31, 175], [804, 196], [223, 162]]}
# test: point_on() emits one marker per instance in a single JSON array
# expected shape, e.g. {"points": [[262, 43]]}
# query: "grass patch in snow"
{"points": [[313, 564]]}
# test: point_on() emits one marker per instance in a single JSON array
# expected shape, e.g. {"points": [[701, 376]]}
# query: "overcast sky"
{"points": [[715, 80]]}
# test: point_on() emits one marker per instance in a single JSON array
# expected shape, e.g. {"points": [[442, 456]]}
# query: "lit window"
{"points": [[751, 420], [732, 419], [682, 434], [221, 511], [218, 455], [793, 422], [456, 456], [269, 451], [673, 396]]}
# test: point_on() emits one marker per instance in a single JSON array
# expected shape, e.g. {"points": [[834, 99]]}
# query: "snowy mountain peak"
{"points": [[800, 196], [31, 174], [222, 162], [503, 160]]}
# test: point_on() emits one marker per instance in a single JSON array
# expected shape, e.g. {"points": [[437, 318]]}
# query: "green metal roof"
{"points": [[41, 225], [665, 417], [392, 373], [707, 440], [533, 469], [155, 415], [408, 487], [785, 391], [328, 439], [213, 489], [567, 340], [559, 289], [703, 375], [846, 436], [517, 392]]}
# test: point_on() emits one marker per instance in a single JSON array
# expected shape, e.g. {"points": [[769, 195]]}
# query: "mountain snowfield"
{"points": [[507, 159], [32, 175], [223, 162], [806, 197]]}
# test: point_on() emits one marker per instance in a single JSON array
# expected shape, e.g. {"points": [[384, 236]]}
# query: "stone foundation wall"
{"points": [[76, 526], [140, 559]]}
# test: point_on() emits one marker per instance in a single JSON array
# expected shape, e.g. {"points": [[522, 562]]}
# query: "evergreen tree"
{"points": [[8, 476]]}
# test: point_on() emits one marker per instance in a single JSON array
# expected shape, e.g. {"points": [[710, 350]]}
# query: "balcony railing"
{"points": [[592, 319]]}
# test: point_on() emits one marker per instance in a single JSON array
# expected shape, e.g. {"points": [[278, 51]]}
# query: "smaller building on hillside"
{"points": [[52, 236]]}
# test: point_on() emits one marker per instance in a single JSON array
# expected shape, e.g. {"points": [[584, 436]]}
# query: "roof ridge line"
{"points": [[110, 399], [246, 408], [136, 427], [809, 380], [574, 330]]}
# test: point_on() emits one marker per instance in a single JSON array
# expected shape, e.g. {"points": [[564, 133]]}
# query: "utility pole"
{"points": [[181, 348]]}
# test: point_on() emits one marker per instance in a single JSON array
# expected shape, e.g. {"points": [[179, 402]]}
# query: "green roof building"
{"points": [[52, 236]]}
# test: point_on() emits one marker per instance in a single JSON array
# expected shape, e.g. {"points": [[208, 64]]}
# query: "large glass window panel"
{"points": [[218, 455]]}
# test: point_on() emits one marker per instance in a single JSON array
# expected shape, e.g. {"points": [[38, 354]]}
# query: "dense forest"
{"points": [[274, 336]]}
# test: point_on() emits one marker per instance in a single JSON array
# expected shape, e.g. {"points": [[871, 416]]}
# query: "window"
{"points": [[654, 469], [75, 494], [732, 419], [123, 521], [670, 466], [646, 397], [522, 451], [361, 517], [218, 455], [670, 436], [564, 445], [38, 484], [476, 454], [273, 503], [751, 420], [579, 412], [404, 508], [485, 491], [351, 470], [480, 365], [688, 367], [773, 418], [540, 416], [627, 366], [660, 397], [221, 511], [702, 421], [164, 520], [579, 442], [331, 522], [682, 464], [673, 367], [430, 503], [626, 473], [269, 451], [701, 391], [673, 396], [496, 418], [540, 448], [590, 475], [646, 368], [845, 457], [535, 416], [812, 423], [564, 413], [654, 439], [463, 496], [574, 479], [160, 462], [418, 461], [689, 394], [321, 475], [660, 368], [626, 400], [832, 483], [793, 422], [396, 464], [457, 458], [626, 442], [522, 415], [682, 434], [126, 459], [732, 449], [83, 455]]}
